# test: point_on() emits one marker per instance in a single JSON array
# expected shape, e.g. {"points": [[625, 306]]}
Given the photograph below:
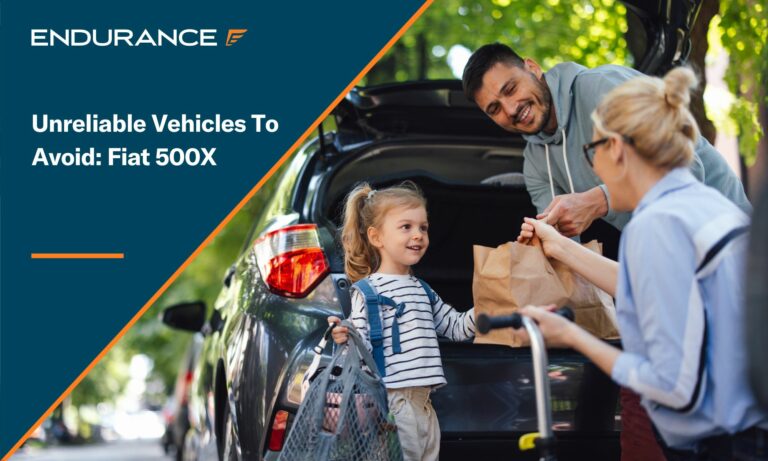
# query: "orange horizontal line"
{"points": [[78, 255]]}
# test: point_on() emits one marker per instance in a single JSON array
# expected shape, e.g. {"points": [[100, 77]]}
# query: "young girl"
{"points": [[385, 233]]}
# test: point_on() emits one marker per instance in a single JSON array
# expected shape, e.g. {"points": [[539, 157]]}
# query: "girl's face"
{"points": [[402, 239]]}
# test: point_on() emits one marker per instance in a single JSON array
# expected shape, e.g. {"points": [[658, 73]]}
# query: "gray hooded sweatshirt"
{"points": [[555, 164]]}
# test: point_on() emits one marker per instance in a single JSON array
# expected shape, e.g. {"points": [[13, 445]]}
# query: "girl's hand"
{"points": [[557, 330], [339, 333], [551, 239]]}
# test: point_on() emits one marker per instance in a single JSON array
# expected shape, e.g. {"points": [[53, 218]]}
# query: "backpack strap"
{"points": [[374, 322], [372, 302], [430, 292]]}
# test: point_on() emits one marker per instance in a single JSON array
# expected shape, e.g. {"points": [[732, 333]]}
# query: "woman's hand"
{"points": [[556, 329], [560, 332], [339, 333], [551, 239]]}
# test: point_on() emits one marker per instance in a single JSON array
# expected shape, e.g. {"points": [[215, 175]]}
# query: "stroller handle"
{"points": [[545, 441], [486, 323]]}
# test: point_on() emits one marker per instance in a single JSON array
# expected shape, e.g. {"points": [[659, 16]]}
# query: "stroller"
{"points": [[543, 440]]}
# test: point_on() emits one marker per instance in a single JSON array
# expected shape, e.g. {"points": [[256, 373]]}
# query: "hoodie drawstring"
{"points": [[567, 169], [565, 160], [549, 172]]}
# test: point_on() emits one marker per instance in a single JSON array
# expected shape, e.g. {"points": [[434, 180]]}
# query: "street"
{"points": [[134, 450]]}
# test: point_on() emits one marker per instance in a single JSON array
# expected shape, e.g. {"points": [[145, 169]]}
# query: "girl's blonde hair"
{"points": [[365, 208], [654, 114]]}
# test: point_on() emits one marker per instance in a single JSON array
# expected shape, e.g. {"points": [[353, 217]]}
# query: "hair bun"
{"points": [[678, 84]]}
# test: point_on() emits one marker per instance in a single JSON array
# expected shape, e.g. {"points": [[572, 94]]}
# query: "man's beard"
{"points": [[546, 101], [545, 98]]}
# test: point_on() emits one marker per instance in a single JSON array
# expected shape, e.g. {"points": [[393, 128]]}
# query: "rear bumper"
{"points": [[570, 447]]}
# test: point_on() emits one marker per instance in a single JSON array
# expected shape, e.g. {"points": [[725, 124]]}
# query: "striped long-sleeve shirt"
{"points": [[418, 363]]}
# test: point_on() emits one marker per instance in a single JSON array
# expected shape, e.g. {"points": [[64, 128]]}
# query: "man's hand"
{"points": [[572, 214]]}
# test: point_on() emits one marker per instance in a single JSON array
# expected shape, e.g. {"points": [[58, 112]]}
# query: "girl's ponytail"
{"points": [[360, 257]]}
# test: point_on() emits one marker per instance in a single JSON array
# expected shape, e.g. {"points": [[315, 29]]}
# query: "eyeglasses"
{"points": [[589, 149]]}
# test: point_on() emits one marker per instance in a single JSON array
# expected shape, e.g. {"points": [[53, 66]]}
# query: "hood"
{"points": [[560, 80]]}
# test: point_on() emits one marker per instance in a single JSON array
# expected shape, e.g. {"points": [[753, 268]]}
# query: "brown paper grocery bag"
{"points": [[514, 275]]}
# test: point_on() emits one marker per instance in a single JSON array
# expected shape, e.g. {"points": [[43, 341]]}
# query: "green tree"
{"points": [[552, 31], [744, 33]]}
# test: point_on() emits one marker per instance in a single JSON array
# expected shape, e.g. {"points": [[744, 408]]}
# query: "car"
{"points": [[289, 276], [176, 410]]}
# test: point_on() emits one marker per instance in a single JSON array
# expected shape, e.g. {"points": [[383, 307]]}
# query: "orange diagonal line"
{"points": [[78, 255], [223, 223]]}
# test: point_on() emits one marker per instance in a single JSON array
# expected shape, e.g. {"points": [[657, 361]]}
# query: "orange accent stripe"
{"points": [[78, 255], [223, 223]]}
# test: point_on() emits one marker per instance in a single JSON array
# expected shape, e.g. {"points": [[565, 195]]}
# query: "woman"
{"points": [[678, 282]]}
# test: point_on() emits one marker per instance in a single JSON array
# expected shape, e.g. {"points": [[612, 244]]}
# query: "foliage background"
{"points": [[552, 31], [743, 30]]}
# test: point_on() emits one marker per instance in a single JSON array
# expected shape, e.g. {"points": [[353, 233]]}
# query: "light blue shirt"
{"points": [[661, 299]]}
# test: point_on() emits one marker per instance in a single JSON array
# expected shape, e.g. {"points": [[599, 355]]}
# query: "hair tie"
{"points": [[669, 103], [371, 194]]}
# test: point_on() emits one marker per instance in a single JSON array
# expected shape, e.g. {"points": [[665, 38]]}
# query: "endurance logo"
{"points": [[234, 35], [131, 38]]}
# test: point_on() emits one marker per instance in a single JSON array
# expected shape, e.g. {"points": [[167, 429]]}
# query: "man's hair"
{"points": [[483, 59]]}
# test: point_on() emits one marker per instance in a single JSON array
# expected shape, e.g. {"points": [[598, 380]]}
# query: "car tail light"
{"points": [[277, 437], [187, 387], [291, 260]]}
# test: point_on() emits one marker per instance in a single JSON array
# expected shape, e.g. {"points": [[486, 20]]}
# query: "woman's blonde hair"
{"points": [[365, 208], [654, 113]]}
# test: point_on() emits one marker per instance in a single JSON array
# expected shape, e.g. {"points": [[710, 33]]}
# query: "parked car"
{"points": [[176, 410], [289, 276]]}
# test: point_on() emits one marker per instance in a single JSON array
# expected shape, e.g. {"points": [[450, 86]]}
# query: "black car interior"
{"points": [[464, 209]]}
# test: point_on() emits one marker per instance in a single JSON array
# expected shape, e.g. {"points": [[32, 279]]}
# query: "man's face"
{"points": [[516, 98]]}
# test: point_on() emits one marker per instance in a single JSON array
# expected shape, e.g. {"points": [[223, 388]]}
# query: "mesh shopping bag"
{"points": [[344, 414]]}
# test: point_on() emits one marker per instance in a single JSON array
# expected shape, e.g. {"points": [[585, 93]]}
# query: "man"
{"points": [[552, 111]]}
